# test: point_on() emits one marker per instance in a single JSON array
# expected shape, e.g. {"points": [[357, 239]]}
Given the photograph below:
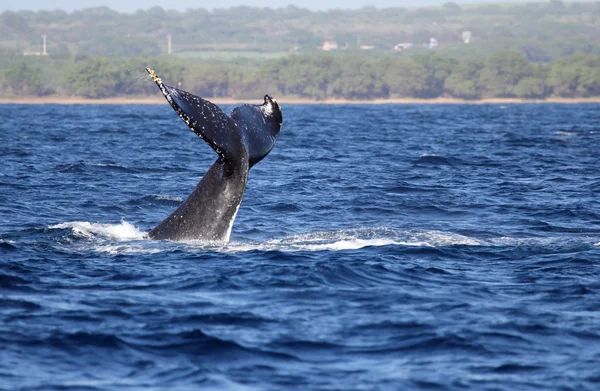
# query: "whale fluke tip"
{"points": [[269, 99], [153, 75]]}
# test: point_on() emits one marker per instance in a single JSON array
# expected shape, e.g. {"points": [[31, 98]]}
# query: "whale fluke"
{"points": [[241, 140]]}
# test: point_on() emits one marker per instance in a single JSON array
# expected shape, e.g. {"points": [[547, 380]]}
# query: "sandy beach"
{"points": [[55, 99]]}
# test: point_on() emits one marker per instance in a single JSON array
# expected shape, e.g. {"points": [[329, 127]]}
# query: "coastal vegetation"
{"points": [[526, 51], [504, 74]]}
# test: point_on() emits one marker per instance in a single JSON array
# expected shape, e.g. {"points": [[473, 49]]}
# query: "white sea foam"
{"points": [[127, 248], [161, 197], [355, 239], [123, 231], [566, 134], [125, 238], [554, 242], [108, 165], [348, 244], [376, 237]]}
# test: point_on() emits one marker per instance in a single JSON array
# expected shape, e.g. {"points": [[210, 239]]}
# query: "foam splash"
{"points": [[376, 237], [349, 244], [127, 249], [565, 134], [161, 197], [125, 238], [123, 231], [355, 239]]}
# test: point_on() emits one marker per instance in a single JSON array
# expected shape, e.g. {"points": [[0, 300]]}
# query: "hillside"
{"points": [[543, 31]]}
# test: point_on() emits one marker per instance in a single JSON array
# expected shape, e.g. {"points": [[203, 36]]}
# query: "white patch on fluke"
{"points": [[228, 234], [268, 109]]}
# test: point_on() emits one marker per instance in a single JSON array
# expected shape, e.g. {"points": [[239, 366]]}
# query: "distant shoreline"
{"points": [[284, 100]]}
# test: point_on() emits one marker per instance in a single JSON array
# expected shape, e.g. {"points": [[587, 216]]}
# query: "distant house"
{"points": [[466, 36], [367, 47], [403, 46], [330, 45], [433, 43]]}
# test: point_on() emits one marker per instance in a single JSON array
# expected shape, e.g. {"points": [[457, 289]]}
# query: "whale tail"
{"points": [[254, 128]]}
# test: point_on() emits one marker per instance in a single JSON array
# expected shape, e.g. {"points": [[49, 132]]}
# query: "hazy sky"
{"points": [[132, 5]]}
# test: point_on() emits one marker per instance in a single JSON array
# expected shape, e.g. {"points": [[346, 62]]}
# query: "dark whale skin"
{"points": [[241, 140]]}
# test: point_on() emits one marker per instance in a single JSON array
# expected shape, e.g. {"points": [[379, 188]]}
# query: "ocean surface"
{"points": [[378, 247]]}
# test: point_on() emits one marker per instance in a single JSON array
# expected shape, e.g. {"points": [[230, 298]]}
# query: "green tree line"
{"points": [[542, 30], [504, 74]]}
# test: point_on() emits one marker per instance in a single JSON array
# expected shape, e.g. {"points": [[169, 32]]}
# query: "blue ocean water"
{"points": [[378, 247]]}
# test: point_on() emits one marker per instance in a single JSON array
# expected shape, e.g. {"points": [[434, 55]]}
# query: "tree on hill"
{"points": [[575, 76], [464, 82], [503, 71], [416, 77], [93, 78], [22, 79]]}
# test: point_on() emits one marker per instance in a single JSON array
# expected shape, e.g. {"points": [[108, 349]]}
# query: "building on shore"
{"points": [[329, 45], [403, 46], [466, 36]]}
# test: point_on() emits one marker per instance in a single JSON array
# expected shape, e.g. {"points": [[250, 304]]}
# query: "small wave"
{"points": [[19, 304], [80, 340], [437, 160], [156, 199], [9, 281], [554, 243], [402, 188], [114, 167], [284, 207], [7, 245], [565, 133], [75, 167], [160, 197], [127, 249], [123, 231]]}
